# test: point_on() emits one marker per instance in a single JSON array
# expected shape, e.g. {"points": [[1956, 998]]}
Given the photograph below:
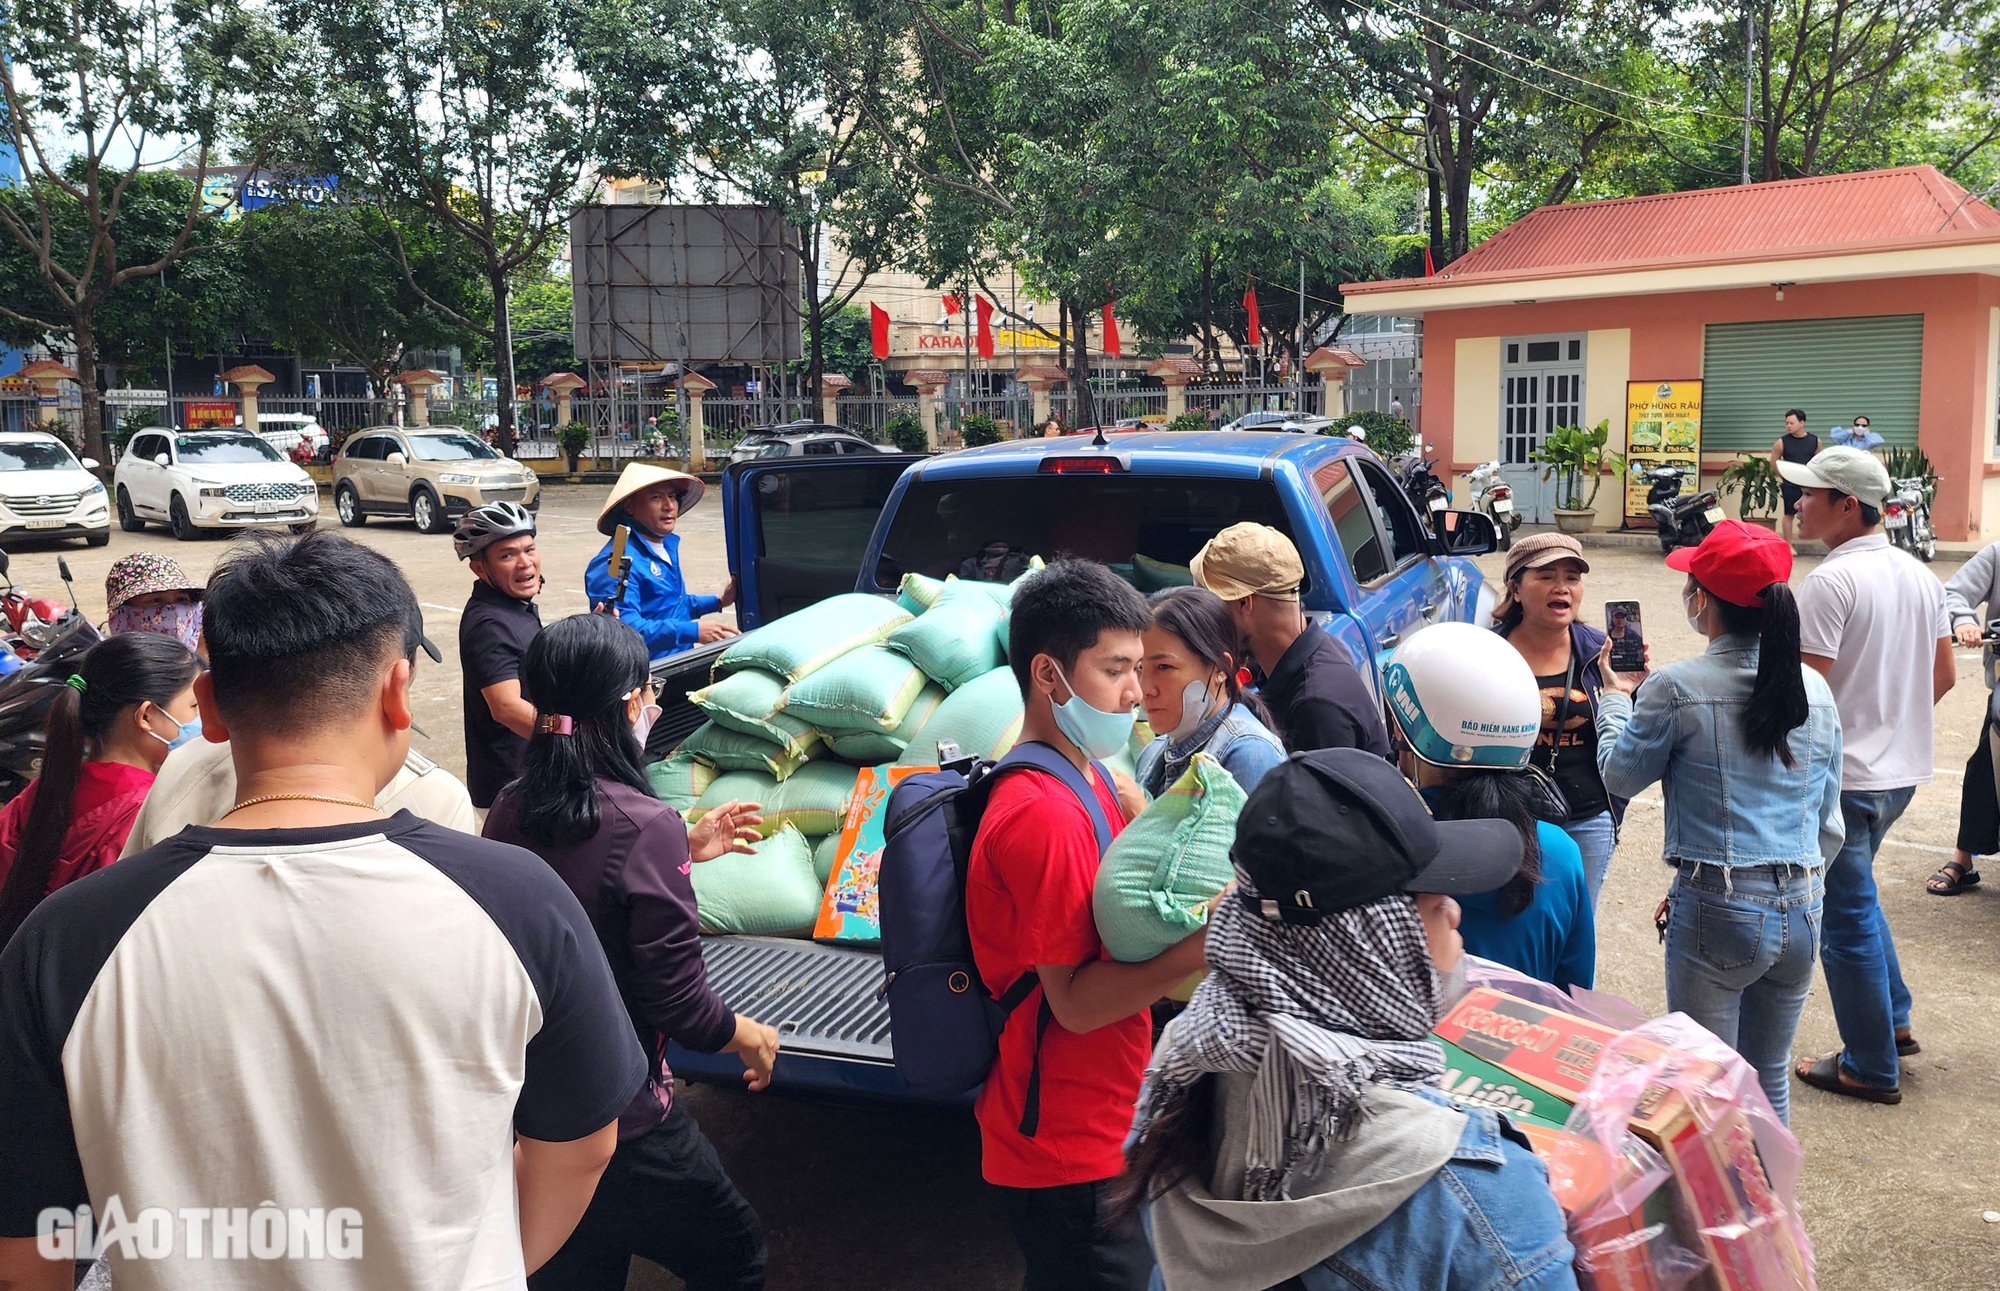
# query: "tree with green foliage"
{"points": [[95, 96], [542, 328], [330, 282], [482, 114]]}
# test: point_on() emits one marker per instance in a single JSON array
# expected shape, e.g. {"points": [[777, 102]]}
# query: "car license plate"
{"points": [[1713, 515], [269, 506], [1897, 520], [53, 522], [1502, 505]]}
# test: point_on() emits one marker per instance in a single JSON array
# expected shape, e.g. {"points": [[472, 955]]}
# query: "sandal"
{"points": [[1951, 879], [1825, 1073]]}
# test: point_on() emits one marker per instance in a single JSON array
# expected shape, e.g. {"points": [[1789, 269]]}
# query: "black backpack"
{"points": [[944, 1022]]}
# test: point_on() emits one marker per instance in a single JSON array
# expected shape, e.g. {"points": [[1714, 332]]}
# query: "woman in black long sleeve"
{"points": [[582, 805]]}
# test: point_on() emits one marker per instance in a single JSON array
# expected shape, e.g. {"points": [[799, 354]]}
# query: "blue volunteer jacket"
{"points": [[657, 602]]}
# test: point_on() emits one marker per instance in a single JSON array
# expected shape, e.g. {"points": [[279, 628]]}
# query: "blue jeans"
{"points": [[1740, 949], [1863, 979], [1596, 837]]}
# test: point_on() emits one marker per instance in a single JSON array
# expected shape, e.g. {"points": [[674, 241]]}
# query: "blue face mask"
{"points": [[186, 732], [1098, 733]]}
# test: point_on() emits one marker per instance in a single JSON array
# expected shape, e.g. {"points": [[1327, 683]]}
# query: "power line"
{"points": [[1541, 66]]}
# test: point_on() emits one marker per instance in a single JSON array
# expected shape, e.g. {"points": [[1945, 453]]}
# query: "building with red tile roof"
{"points": [[1876, 293]]}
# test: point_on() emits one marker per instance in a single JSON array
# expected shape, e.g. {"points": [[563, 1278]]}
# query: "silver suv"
{"points": [[430, 474]]}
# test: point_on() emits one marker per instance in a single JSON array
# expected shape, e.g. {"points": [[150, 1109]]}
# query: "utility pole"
{"points": [[1299, 346], [1749, 75]]}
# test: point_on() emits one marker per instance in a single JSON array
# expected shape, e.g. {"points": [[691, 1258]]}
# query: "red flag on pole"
{"points": [[1429, 267], [950, 303], [1111, 335], [1256, 328], [982, 312], [878, 329]]}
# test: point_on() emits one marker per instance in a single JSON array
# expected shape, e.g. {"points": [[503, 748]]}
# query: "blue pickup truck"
{"points": [[800, 530]]}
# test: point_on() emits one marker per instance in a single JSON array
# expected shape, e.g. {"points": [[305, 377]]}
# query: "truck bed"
{"points": [[832, 1025]]}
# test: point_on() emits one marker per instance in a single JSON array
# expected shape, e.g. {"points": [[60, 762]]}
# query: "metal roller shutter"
{"points": [[1831, 367]]}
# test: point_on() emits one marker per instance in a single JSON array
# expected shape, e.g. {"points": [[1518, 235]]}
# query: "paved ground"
{"points": [[880, 1200]]}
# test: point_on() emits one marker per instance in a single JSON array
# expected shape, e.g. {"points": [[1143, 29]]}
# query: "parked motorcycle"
{"points": [[1420, 482], [1906, 514], [32, 621], [1682, 520], [1495, 497], [59, 642]]}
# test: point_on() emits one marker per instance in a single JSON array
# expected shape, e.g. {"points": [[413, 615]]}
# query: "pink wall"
{"points": [[1667, 345]]}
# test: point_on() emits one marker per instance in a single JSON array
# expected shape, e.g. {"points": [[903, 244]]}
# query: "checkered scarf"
{"points": [[1317, 1012]]}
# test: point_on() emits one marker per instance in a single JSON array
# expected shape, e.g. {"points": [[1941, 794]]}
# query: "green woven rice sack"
{"points": [[917, 592], [826, 853], [1149, 575], [873, 748], [749, 701], [956, 640], [735, 751], [814, 801], [770, 892], [1155, 883], [680, 780], [982, 717], [870, 689], [801, 643], [736, 786], [1000, 592]]}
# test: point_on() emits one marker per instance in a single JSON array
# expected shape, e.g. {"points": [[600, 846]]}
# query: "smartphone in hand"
{"points": [[1628, 643]]}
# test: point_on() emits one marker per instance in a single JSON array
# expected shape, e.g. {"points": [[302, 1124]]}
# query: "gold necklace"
{"points": [[298, 797]]}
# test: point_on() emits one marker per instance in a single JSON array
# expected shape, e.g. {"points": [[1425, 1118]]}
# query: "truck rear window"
{"points": [[1147, 528]]}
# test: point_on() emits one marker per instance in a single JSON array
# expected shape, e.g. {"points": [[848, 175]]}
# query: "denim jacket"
{"points": [[1243, 745], [1726, 805], [1485, 1222]]}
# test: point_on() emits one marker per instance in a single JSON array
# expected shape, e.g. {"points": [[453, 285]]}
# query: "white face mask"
{"points": [[1687, 605], [1198, 703], [642, 725]]}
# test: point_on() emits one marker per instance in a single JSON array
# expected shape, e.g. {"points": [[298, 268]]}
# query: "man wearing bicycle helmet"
{"points": [[500, 619]]}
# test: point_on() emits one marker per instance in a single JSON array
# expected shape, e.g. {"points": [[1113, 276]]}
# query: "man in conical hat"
{"points": [[656, 601]]}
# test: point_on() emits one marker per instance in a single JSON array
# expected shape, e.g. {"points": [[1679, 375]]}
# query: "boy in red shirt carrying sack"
{"points": [[1057, 1106]]}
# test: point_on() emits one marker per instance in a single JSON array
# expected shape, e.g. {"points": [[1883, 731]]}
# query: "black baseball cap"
{"points": [[1338, 828]]}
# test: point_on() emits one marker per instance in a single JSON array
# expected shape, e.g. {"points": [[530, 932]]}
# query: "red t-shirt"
{"points": [[1027, 902]]}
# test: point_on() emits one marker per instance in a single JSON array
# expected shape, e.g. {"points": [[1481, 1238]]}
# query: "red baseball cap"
{"points": [[1736, 561]]}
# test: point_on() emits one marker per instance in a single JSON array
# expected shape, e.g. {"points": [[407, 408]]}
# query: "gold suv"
{"points": [[432, 474]]}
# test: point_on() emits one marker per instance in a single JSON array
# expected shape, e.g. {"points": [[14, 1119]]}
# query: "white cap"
{"points": [[1845, 470]]}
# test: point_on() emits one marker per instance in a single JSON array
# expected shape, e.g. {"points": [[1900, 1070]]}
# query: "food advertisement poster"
{"points": [[1662, 428]]}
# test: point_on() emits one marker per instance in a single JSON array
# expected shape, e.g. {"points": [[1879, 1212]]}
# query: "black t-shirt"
{"points": [[1319, 700], [493, 637], [1574, 747]]}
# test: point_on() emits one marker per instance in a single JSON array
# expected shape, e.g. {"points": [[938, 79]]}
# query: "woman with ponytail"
{"points": [[583, 805], [1745, 741], [110, 727]]}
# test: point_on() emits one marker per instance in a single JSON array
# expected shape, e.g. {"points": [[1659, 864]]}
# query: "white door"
{"points": [[1541, 388], [147, 479]]}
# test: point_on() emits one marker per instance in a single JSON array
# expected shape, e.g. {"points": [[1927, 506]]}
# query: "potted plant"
{"points": [[573, 438], [906, 433], [1757, 480], [978, 429], [1571, 456]]}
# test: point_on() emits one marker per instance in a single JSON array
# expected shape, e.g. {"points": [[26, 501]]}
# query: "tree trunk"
{"points": [[1435, 191], [1211, 357], [1062, 335], [84, 326], [1079, 376], [503, 363], [815, 310]]}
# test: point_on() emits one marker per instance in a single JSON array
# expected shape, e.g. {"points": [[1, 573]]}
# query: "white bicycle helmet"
{"points": [[481, 527], [1463, 697]]}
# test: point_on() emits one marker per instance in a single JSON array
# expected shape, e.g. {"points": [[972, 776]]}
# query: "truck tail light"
{"points": [[1092, 465]]}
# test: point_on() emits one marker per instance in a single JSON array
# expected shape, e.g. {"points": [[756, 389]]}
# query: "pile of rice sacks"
{"points": [[798, 707]]}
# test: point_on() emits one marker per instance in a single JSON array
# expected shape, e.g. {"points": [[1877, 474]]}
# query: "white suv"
{"points": [[285, 431], [46, 492], [211, 479]]}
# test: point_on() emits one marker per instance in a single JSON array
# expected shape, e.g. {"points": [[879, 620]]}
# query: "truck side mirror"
{"points": [[1466, 533]]}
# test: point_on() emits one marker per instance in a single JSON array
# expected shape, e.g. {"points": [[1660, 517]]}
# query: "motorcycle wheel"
{"points": [[1506, 535], [1927, 544], [1667, 542]]}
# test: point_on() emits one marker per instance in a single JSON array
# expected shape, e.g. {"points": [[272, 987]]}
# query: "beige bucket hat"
{"points": [[639, 476]]}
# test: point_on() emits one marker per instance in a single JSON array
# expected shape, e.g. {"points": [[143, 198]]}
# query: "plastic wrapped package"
{"points": [[1619, 1209], [1735, 1165], [1159, 875], [746, 701], [770, 892], [734, 751], [956, 640], [983, 719], [680, 780], [918, 592], [873, 747]]}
